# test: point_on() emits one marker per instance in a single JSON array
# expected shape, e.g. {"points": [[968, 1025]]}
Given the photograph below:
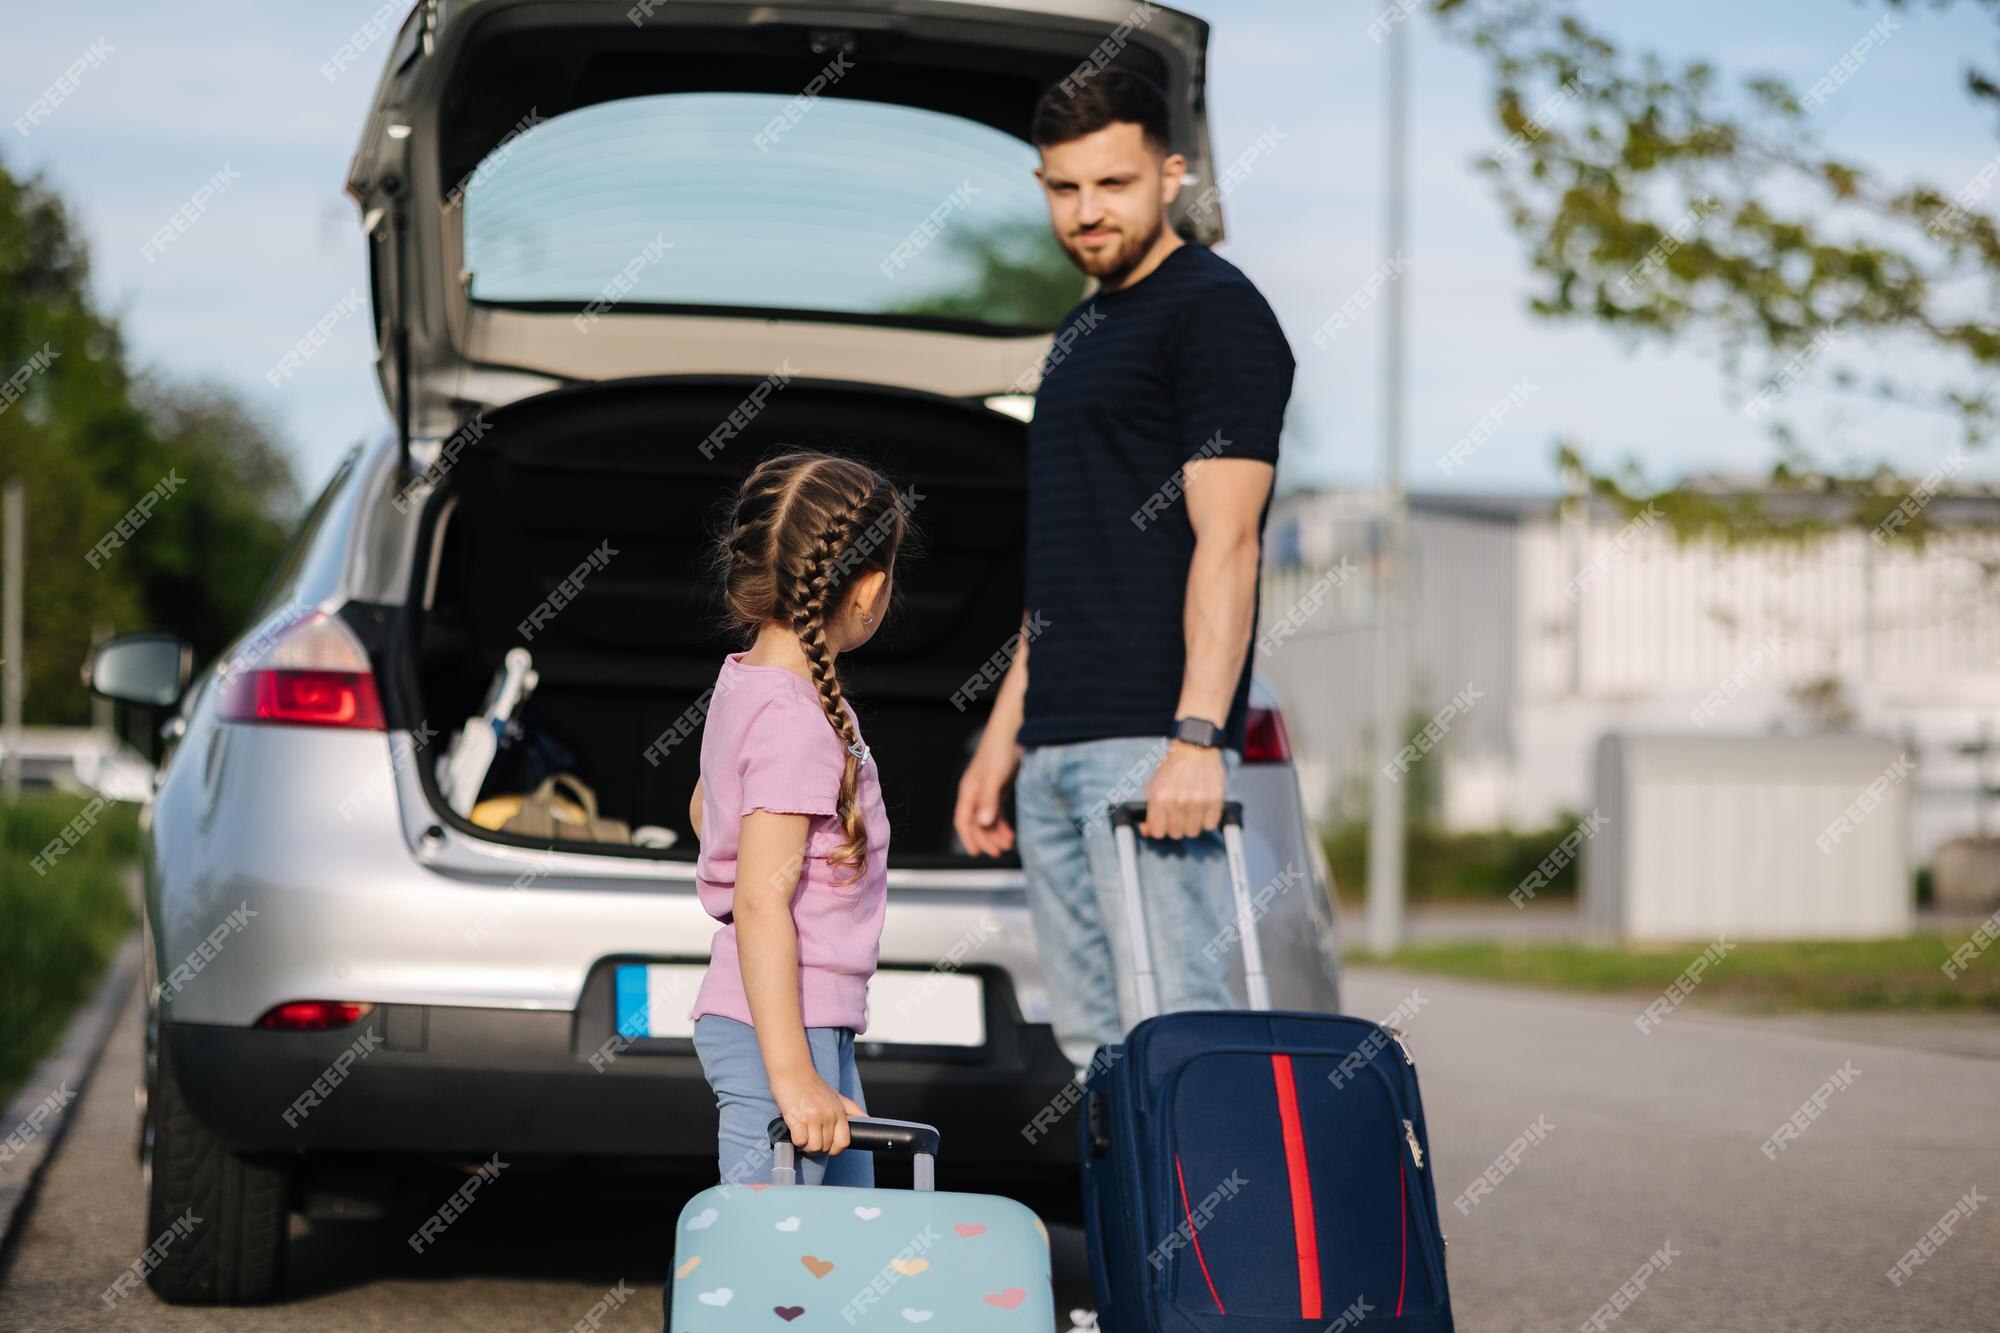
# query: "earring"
{"points": [[867, 619]]}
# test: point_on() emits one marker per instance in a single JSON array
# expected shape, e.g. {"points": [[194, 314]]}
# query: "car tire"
{"points": [[234, 1252]]}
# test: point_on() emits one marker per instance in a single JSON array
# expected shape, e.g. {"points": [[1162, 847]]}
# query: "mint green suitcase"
{"points": [[838, 1258]]}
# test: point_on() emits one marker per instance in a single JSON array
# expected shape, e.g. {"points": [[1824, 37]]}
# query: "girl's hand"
{"points": [[814, 1112]]}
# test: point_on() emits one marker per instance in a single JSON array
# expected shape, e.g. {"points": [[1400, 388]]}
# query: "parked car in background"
{"points": [[615, 259], [83, 760]]}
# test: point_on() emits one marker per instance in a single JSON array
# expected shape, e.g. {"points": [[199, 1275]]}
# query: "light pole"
{"points": [[1385, 814]]}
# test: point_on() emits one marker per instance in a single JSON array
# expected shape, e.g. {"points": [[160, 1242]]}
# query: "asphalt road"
{"points": [[1655, 1138], [1647, 1142]]}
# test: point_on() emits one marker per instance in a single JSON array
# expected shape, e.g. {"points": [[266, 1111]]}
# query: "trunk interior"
{"points": [[620, 464]]}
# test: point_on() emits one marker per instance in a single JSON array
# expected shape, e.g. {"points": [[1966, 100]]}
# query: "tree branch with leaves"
{"points": [[1665, 202]]}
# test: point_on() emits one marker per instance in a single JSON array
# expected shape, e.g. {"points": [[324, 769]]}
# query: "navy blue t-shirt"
{"points": [[1185, 364]]}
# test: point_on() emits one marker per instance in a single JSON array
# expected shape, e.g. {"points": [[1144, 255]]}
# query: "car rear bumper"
{"points": [[461, 1081]]}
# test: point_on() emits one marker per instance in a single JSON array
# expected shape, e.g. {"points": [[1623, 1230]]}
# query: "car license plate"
{"points": [[905, 1007]]}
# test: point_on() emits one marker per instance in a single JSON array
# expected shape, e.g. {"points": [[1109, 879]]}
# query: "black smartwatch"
{"points": [[1197, 731]]}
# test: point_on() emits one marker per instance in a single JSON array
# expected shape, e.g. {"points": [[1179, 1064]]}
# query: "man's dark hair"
{"points": [[1085, 103]]}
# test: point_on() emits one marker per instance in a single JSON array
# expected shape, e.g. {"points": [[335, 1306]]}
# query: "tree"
{"points": [[1018, 275], [89, 442], [1663, 202], [222, 533]]}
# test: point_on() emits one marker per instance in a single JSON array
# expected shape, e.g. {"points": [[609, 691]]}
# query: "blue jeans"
{"points": [[734, 1067], [1063, 798]]}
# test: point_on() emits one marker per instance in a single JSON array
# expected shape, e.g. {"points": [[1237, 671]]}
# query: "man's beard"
{"points": [[1109, 267]]}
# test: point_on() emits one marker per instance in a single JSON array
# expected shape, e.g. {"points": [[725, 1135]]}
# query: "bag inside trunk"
{"points": [[618, 470]]}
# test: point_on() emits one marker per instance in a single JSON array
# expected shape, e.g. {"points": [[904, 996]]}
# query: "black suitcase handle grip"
{"points": [[893, 1136], [1133, 813], [1097, 1115]]}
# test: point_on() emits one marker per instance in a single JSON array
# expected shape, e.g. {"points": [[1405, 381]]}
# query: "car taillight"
{"points": [[313, 1015], [1264, 740], [314, 674]]}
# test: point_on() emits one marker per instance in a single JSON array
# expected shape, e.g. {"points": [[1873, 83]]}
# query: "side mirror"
{"points": [[151, 669]]}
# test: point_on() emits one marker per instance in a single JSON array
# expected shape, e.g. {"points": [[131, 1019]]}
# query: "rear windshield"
{"points": [[765, 201]]}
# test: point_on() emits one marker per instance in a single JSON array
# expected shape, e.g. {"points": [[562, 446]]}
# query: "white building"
{"points": [[1567, 628]]}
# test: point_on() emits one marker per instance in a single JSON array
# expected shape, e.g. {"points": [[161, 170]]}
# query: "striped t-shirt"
{"points": [[1185, 364]]}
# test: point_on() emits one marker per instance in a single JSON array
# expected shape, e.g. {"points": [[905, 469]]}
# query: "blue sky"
{"points": [[187, 90]]}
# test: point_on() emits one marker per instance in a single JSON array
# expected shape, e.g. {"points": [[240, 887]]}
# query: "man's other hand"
{"points": [[1184, 796], [977, 818]]}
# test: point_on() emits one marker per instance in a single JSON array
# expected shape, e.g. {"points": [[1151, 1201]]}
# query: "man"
{"points": [[1150, 463]]}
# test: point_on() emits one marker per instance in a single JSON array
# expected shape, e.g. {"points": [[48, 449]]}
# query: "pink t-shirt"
{"points": [[768, 746]]}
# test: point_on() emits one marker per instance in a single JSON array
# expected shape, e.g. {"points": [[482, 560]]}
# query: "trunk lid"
{"points": [[568, 190]]}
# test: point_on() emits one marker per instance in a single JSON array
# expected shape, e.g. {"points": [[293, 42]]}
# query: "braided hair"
{"points": [[803, 525]]}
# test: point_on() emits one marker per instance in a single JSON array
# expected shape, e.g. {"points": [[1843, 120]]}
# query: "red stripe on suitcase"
{"points": [[1189, 1214], [1305, 1233]]}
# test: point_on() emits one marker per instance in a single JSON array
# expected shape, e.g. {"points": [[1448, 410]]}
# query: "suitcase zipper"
{"points": [[1410, 1137], [1404, 1046]]}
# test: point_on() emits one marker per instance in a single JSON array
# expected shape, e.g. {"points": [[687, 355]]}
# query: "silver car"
{"points": [[619, 252]]}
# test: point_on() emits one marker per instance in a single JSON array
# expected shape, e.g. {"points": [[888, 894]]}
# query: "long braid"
{"points": [[813, 587]]}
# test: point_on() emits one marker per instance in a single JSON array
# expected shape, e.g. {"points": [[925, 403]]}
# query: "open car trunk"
{"points": [[470, 83], [619, 468]]}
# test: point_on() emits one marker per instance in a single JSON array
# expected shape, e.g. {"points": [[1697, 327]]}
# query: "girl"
{"points": [[794, 839]]}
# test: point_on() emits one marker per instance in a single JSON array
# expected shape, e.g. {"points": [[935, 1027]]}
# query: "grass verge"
{"points": [[1899, 975], [1447, 867], [59, 924]]}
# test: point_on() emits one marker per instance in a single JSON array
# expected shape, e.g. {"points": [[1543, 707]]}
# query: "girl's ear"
{"points": [[868, 588]]}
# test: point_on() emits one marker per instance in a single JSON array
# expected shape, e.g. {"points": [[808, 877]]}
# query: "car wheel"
{"points": [[216, 1221]]}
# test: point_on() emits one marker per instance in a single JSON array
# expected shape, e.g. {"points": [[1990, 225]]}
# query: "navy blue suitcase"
{"points": [[1256, 1170]]}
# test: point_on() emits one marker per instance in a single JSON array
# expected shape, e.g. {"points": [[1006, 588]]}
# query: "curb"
{"points": [[61, 1079]]}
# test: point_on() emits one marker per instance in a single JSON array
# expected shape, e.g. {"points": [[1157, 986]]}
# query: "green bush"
{"points": [[59, 926], [1457, 867]]}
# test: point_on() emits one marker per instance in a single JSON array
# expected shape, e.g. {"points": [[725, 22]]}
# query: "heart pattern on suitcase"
{"points": [[950, 1266]]}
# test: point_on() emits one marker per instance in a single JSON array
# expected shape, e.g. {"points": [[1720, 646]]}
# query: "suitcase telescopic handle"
{"points": [[1133, 813], [871, 1132], [1125, 821]]}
